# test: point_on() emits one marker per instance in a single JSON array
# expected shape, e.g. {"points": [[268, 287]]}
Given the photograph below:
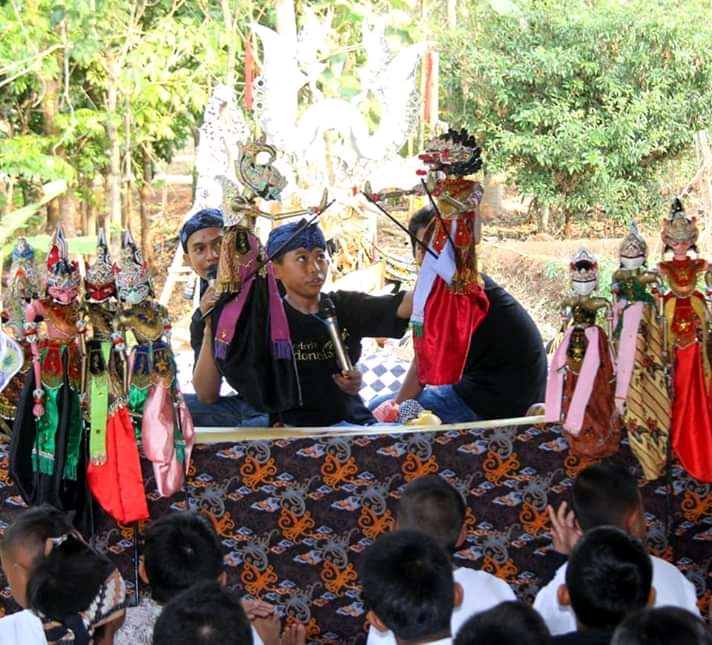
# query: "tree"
{"points": [[581, 104]]}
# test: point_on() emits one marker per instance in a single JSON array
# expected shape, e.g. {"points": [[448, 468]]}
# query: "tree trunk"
{"points": [[50, 108], [542, 219], [568, 225], [451, 14], [144, 194], [286, 19], [231, 34], [114, 157]]}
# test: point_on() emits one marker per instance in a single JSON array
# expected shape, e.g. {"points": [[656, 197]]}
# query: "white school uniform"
{"points": [[22, 628], [671, 587], [481, 591]]}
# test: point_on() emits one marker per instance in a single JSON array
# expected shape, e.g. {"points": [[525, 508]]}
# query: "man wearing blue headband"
{"points": [[329, 394], [200, 237]]}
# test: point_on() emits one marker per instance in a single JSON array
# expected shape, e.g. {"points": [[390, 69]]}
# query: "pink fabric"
{"points": [[584, 385], [278, 324], [632, 313], [158, 438]]}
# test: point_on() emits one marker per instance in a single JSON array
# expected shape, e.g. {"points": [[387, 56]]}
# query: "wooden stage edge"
{"points": [[208, 435]]}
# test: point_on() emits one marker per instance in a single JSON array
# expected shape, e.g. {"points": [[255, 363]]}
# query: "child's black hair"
{"points": [[603, 495], [420, 219], [32, 528], [509, 623], [68, 579], [179, 550], [661, 626], [205, 614], [431, 505], [408, 583], [609, 575]]}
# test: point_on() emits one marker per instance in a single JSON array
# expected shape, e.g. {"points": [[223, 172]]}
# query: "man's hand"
{"points": [[208, 300], [257, 608], [565, 531], [349, 381]]}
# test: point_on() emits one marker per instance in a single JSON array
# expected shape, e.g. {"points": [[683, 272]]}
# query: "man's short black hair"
{"points": [[510, 623], [205, 614], [408, 583], [609, 574], [604, 495], [661, 626], [179, 550], [431, 505], [420, 219]]}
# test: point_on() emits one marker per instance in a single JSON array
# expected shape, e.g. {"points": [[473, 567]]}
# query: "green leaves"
{"points": [[581, 104]]}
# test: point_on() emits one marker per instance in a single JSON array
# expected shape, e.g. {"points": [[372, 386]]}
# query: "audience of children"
{"points": [[509, 623], [431, 505], [661, 626], [609, 575], [413, 594], [409, 589], [607, 495], [180, 550], [69, 593]]}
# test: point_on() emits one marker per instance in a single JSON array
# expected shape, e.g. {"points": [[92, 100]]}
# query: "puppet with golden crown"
{"points": [[161, 419], [15, 359], [48, 453], [686, 319], [114, 470], [580, 391], [449, 301], [642, 395]]}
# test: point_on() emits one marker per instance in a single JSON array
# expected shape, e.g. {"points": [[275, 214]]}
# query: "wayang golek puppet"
{"points": [[162, 423], [449, 301], [642, 395], [686, 320], [48, 455], [581, 385], [249, 324], [114, 469], [23, 286]]}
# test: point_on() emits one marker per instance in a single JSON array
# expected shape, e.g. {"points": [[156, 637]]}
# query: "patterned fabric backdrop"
{"points": [[295, 515]]}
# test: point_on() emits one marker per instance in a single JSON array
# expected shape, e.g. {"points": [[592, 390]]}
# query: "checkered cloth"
{"points": [[381, 374]]}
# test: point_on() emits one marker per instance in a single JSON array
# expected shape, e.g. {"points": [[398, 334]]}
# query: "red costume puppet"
{"points": [[686, 319], [449, 301]]}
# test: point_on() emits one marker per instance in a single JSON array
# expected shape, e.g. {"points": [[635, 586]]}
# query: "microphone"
{"points": [[212, 274], [327, 312]]}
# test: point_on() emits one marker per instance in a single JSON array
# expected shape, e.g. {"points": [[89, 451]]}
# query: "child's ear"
{"points": [[142, 572], [563, 596], [461, 537], [458, 595], [222, 578], [374, 620], [652, 596]]}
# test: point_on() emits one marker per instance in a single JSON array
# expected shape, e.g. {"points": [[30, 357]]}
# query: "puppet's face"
{"points": [[631, 264], [134, 295], [100, 293], [63, 295]]}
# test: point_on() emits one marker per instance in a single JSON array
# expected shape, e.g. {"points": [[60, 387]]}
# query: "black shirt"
{"points": [[505, 370], [359, 316]]}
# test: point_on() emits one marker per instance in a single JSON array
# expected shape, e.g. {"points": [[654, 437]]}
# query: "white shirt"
{"points": [[22, 628], [481, 591], [671, 587]]}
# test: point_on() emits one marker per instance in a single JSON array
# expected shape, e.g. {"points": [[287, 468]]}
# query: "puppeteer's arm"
{"points": [[405, 308], [411, 387], [206, 377]]}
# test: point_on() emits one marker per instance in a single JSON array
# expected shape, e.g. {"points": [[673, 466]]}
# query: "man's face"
{"points": [[204, 250], [303, 272]]}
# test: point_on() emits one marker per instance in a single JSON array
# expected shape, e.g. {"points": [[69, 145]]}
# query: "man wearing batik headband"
{"points": [[328, 395], [200, 237]]}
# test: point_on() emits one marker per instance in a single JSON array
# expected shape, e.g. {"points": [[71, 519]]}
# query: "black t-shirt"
{"points": [[505, 371], [359, 316]]}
